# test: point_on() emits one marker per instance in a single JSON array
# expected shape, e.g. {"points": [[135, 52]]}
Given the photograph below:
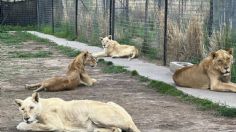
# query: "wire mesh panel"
{"points": [[93, 20], [64, 18], [224, 28], [140, 23], [45, 15], [18, 12], [187, 27]]}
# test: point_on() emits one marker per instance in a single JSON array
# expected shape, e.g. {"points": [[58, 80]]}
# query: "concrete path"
{"points": [[149, 70]]}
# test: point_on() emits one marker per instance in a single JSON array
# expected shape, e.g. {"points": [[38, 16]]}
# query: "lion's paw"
{"points": [[22, 126], [94, 80]]}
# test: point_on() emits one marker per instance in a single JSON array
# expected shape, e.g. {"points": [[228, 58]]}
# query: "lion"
{"points": [[213, 72], [55, 114], [75, 75], [113, 49]]}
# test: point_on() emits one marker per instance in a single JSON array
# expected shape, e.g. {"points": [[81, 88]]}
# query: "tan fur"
{"points": [[113, 49], [212, 73], [75, 75], [54, 114]]}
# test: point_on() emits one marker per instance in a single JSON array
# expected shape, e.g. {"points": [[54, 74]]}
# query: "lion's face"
{"points": [[222, 61], [105, 41], [30, 108], [90, 60]]}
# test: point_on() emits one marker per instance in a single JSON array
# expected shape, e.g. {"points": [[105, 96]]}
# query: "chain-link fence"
{"points": [[18, 12], [163, 30]]}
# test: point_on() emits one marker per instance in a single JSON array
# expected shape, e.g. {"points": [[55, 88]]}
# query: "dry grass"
{"points": [[184, 43], [218, 40], [194, 39]]}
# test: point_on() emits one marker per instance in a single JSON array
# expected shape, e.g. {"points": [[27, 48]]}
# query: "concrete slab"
{"points": [[149, 70]]}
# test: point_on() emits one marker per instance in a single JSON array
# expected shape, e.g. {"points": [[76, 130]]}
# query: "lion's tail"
{"points": [[135, 53], [132, 127]]}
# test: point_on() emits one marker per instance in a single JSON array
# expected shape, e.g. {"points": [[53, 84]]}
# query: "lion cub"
{"points": [[55, 114], [75, 75], [113, 49]]}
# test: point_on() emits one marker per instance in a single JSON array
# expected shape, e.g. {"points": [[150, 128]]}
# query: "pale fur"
{"points": [[54, 114], [112, 48], [213, 73], [75, 75]]}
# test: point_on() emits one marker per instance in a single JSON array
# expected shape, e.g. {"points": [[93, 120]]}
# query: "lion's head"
{"points": [[30, 108], [105, 41], [222, 61], [89, 59], [84, 58]]}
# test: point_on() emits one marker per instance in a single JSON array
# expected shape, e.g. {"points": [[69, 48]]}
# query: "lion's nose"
{"points": [[26, 118], [226, 67]]}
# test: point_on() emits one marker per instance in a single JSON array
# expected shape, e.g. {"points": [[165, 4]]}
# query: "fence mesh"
{"points": [[64, 18], [93, 20], [139, 23], [18, 12], [45, 13]]}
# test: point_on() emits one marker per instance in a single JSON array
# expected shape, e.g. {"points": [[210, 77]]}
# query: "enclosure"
{"points": [[162, 30]]}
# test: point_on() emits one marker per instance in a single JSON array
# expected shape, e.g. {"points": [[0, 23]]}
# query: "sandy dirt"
{"points": [[151, 111]]}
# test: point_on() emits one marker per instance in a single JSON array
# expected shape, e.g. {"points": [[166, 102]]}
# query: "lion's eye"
{"points": [[22, 109], [31, 107]]}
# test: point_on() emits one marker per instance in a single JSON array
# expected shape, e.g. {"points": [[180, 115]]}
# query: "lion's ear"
{"points": [[109, 36], [18, 102], [213, 54], [230, 51], [35, 97], [101, 38], [86, 54]]}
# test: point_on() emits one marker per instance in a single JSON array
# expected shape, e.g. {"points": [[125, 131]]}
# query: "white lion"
{"points": [[112, 48], [54, 114]]}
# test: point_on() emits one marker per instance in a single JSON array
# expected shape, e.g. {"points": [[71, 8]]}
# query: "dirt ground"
{"points": [[151, 111]]}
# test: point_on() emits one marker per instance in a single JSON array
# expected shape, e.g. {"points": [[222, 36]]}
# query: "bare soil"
{"points": [[151, 111]]}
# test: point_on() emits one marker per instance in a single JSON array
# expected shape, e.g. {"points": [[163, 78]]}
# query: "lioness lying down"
{"points": [[54, 114], [113, 49], [212, 73], [75, 75]]}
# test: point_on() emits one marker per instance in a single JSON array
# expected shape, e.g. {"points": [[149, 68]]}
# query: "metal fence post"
{"points": [[76, 18], [52, 16], [112, 18], [165, 34], [145, 43], [37, 5]]}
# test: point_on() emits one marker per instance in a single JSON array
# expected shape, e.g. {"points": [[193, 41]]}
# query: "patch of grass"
{"points": [[4, 28], [47, 29], [62, 30], [109, 63], [203, 104], [11, 39], [113, 69], [29, 54], [67, 51], [134, 73], [16, 38], [165, 88], [143, 79]]}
